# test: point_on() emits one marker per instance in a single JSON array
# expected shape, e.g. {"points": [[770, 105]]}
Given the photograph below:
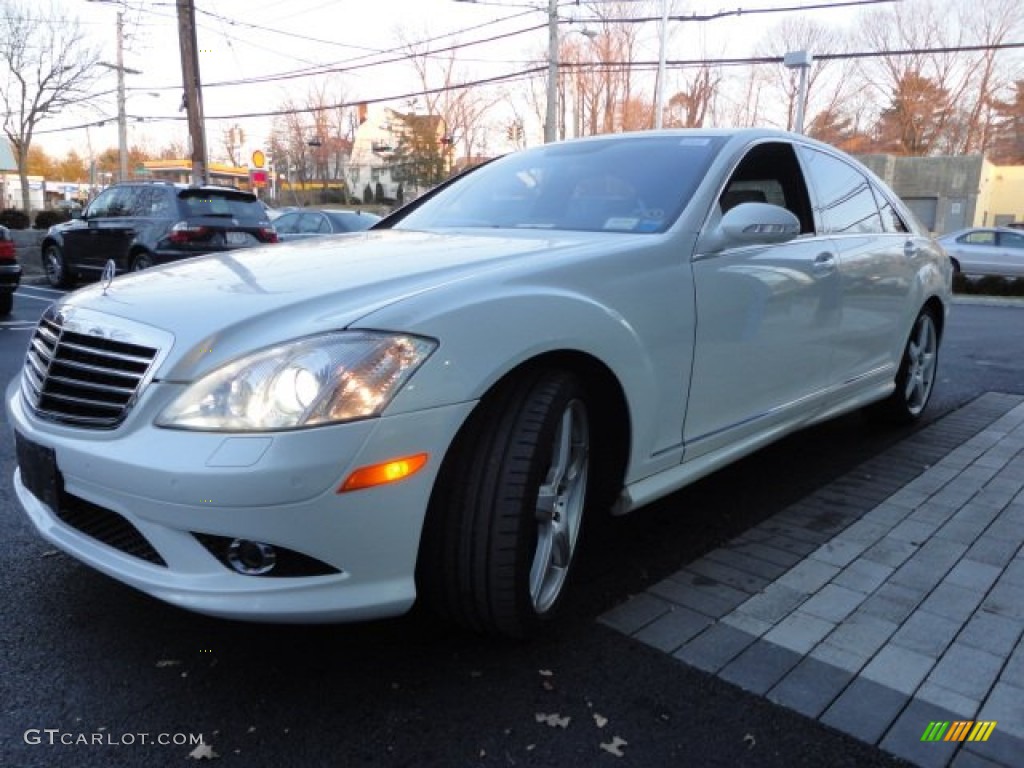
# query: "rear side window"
{"points": [[205, 202], [1011, 240], [844, 198], [892, 222]]}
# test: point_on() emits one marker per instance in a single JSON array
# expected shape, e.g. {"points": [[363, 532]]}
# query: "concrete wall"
{"points": [[942, 191]]}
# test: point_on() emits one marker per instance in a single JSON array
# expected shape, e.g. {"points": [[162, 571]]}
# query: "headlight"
{"points": [[319, 380]]}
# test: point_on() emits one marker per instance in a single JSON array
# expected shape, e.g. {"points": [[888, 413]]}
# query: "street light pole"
{"points": [[801, 60], [551, 112]]}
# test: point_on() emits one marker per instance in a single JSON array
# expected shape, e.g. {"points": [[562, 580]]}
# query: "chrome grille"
{"points": [[88, 379]]}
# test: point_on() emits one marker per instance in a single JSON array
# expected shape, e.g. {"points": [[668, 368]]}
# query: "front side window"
{"points": [[287, 224], [770, 173], [601, 185], [978, 238], [844, 198]]}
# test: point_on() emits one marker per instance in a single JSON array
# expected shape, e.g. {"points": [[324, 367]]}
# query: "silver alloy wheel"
{"points": [[54, 266], [922, 359], [560, 502]]}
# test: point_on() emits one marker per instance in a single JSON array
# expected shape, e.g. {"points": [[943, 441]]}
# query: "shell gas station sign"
{"points": [[259, 177]]}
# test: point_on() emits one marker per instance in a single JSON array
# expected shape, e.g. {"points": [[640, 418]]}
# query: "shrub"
{"points": [[46, 219], [988, 286], [12, 218]]}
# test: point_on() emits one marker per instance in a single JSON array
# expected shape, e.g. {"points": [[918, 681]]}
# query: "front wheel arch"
{"points": [[470, 532]]}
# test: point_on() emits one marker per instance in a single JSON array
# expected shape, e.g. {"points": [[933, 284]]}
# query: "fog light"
{"points": [[252, 558]]}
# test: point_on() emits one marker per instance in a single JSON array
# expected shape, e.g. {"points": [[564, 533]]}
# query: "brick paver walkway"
{"points": [[889, 599]]}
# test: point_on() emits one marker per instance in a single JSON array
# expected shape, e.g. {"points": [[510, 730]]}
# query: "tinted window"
{"points": [[313, 224], [150, 201], [206, 202], [1011, 240], [608, 185], [114, 201], [844, 199], [287, 223]]}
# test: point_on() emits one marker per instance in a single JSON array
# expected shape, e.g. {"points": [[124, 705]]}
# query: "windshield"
{"points": [[619, 184]]}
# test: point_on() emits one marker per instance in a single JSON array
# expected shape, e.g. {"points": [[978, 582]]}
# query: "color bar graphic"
{"points": [[960, 730]]}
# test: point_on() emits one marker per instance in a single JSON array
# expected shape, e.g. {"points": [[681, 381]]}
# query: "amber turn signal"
{"points": [[383, 473]]}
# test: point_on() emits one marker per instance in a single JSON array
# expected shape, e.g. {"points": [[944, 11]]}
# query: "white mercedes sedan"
{"points": [[331, 430]]}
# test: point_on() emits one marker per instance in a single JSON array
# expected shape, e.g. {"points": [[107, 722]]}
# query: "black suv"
{"points": [[139, 224]]}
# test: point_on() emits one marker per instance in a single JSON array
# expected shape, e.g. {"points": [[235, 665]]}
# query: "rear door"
{"points": [[879, 257]]}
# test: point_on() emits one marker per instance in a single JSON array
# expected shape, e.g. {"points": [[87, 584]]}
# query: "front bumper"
{"points": [[177, 489]]}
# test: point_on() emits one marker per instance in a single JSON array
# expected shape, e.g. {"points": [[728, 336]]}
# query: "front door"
{"points": [[765, 315]]}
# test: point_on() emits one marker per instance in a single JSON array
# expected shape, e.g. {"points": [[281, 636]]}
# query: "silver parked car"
{"points": [[986, 251]]}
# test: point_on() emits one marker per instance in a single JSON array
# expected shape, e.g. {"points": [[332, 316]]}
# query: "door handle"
{"points": [[824, 264]]}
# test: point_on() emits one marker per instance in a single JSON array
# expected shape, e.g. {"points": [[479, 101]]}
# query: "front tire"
{"points": [[56, 267], [505, 519], [915, 379], [6, 304]]}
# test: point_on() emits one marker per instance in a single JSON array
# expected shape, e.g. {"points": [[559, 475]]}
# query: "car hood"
{"points": [[230, 303]]}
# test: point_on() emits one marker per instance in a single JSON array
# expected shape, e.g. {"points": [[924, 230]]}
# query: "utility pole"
{"points": [[193, 100], [551, 112], [122, 118]]}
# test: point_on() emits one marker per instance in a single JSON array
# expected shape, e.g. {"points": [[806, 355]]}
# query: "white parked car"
{"points": [[427, 409], [980, 251]]}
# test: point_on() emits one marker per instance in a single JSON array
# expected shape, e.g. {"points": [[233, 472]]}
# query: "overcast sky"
{"points": [[247, 39]]}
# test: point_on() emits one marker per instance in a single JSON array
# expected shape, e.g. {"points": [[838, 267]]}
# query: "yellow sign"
{"points": [[258, 159]]}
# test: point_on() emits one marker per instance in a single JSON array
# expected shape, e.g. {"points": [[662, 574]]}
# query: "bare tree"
{"points": [[463, 110], [916, 41], [233, 140], [49, 68]]}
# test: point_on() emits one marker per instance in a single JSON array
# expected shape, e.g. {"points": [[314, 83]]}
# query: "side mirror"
{"points": [[78, 214], [750, 224]]}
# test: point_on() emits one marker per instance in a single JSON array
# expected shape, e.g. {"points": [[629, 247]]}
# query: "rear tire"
{"points": [[141, 261], [506, 515], [915, 379], [6, 304]]}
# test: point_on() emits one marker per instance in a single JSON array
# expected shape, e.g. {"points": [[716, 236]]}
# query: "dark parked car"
{"points": [[10, 272], [139, 224], [306, 222]]}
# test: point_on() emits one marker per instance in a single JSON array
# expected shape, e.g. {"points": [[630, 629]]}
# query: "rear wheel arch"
{"points": [[137, 255]]}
